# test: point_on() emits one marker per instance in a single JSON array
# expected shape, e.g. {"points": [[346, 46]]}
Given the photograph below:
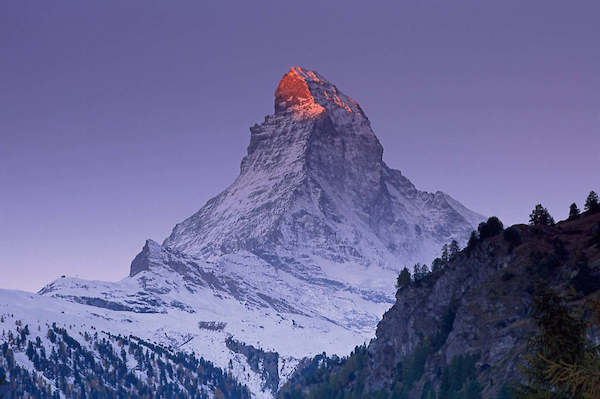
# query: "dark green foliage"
{"points": [[540, 217], [449, 252], [414, 365], [512, 236], [437, 264], [333, 377], [573, 212], [543, 264], [446, 327], [505, 392], [330, 377], [428, 391], [458, 379], [473, 240], [472, 390], [445, 254], [453, 249], [592, 205], [492, 227], [586, 281], [403, 279], [420, 272], [506, 276], [560, 338]]}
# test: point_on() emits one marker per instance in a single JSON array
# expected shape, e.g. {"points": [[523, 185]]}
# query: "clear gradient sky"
{"points": [[119, 119]]}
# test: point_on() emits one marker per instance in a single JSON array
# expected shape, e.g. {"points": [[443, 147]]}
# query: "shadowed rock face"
{"points": [[488, 292]]}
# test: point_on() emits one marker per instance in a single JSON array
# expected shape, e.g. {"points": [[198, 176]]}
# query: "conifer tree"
{"points": [[581, 376], [573, 211], [445, 255], [560, 339], [540, 217], [436, 265], [453, 249], [403, 279], [417, 272], [591, 203], [473, 239], [490, 228]]}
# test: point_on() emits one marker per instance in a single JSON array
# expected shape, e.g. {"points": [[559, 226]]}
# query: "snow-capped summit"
{"points": [[314, 187]]}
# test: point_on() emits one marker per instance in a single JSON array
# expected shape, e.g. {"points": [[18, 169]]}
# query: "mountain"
{"points": [[299, 255], [313, 186], [461, 331]]}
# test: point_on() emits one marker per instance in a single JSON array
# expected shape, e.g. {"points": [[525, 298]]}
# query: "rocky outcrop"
{"points": [[486, 291]]}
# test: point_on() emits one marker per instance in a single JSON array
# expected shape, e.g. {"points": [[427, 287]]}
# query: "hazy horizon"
{"points": [[121, 120]]}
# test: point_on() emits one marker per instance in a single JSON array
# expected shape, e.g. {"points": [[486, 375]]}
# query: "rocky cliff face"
{"points": [[486, 291]]}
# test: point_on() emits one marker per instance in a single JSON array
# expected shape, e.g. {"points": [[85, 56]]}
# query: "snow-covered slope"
{"points": [[298, 256]]}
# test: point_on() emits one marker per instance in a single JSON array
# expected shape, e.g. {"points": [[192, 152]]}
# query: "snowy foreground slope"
{"points": [[298, 256]]}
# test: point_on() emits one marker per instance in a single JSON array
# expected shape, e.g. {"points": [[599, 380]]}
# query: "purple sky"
{"points": [[120, 119]]}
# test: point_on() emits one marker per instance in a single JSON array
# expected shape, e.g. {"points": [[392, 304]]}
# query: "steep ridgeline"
{"points": [[297, 256], [461, 331]]}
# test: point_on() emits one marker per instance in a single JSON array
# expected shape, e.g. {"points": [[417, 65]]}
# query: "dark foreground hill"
{"points": [[462, 330]]}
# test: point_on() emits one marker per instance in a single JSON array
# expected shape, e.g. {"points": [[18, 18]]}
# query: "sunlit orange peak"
{"points": [[293, 92], [307, 93]]}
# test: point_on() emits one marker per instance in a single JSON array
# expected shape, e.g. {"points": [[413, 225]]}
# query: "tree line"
{"points": [[540, 216]]}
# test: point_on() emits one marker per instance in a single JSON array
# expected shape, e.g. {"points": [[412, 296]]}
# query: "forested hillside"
{"points": [[50, 362]]}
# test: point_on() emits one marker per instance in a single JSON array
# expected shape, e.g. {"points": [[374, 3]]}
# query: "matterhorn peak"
{"points": [[307, 93], [314, 188]]}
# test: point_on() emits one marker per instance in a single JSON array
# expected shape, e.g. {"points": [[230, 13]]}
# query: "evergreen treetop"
{"points": [[403, 279], [573, 211], [540, 217], [592, 205], [453, 249]]}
